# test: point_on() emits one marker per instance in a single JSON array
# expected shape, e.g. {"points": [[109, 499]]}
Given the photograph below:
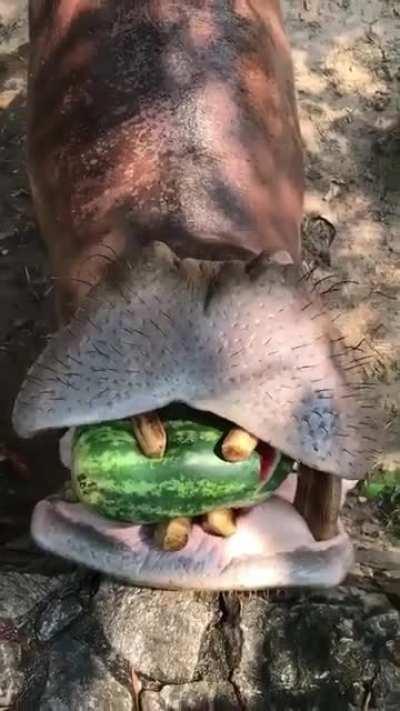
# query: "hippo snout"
{"points": [[248, 342]]}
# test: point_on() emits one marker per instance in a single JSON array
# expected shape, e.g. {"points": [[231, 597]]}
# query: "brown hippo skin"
{"points": [[166, 169]]}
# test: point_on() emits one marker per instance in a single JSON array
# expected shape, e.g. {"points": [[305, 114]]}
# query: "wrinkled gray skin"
{"points": [[166, 171], [246, 342]]}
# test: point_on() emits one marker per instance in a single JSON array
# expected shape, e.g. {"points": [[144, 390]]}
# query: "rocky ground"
{"points": [[70, 640], [77, 642]]}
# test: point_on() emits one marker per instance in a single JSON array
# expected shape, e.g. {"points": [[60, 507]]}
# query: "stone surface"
{"points": [[159, 633], [79, 681], [199, 696], [318, 653], [387, 687], [20, 593], [57, 615], [334, 650], [11, 673]]}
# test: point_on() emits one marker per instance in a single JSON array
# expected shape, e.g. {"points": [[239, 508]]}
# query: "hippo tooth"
{"points": [[150, 434], [220, 522], [318, 501], [238, 445], [173, 535]]}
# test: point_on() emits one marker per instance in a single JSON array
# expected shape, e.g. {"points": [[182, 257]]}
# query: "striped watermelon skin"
{"points": [[112, 476]]}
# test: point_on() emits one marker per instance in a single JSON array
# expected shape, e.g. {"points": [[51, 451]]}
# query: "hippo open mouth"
{"points": [[250, 343], [293, 538]]}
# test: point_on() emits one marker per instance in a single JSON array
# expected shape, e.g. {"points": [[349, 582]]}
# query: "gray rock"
{"points": [[333, 650], [385, 694], [316, 655], [380, 627], [20, 593], [57, 615], [199, 696], [159, 633], [79, 681], [14, 23], [11, 673]]}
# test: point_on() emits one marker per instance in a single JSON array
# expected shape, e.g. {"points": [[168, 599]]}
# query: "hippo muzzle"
{"points": [[250, 342]]}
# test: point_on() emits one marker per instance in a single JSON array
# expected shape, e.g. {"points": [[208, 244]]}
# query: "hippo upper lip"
{"points": [[224, 350]]}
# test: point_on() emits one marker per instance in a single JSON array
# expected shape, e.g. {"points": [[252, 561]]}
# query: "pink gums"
{"points": [[269, 458]]}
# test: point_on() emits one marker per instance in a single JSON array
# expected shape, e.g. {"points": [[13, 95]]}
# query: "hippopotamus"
{"points": [[166, 168]]}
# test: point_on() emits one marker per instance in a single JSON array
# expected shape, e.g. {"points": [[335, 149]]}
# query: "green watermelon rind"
{"points": [[112, 476]]}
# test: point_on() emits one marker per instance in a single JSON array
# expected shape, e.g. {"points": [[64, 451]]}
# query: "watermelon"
{"points": [[111, 475]]}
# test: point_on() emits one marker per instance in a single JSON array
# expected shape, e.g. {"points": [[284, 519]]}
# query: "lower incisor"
{"points": [[238, 445], [220, 522], [173, 535]]}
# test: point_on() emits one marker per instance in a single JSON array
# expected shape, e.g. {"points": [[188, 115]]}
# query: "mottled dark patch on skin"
{"points": [[123, 105]]}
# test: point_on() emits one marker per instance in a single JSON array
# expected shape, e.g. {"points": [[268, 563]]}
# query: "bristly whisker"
{"points": [[97, 350], [74, 359], [320, 281], [337, 286], [50, 370], [157, 327], [307, 306], [302, 345], [168, 317], [308, 272], [65, 383], [33, 379], [115, 349], [357, 366], [99, 395], [318, 315]]}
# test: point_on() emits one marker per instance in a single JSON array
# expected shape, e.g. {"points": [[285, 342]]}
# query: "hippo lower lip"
{"points": [[295, 538]]}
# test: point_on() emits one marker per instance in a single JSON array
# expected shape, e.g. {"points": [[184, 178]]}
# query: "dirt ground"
{"points": [[347, 64]]}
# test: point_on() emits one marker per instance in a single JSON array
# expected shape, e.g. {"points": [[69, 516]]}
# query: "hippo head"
{"points": [[250, 342]]}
